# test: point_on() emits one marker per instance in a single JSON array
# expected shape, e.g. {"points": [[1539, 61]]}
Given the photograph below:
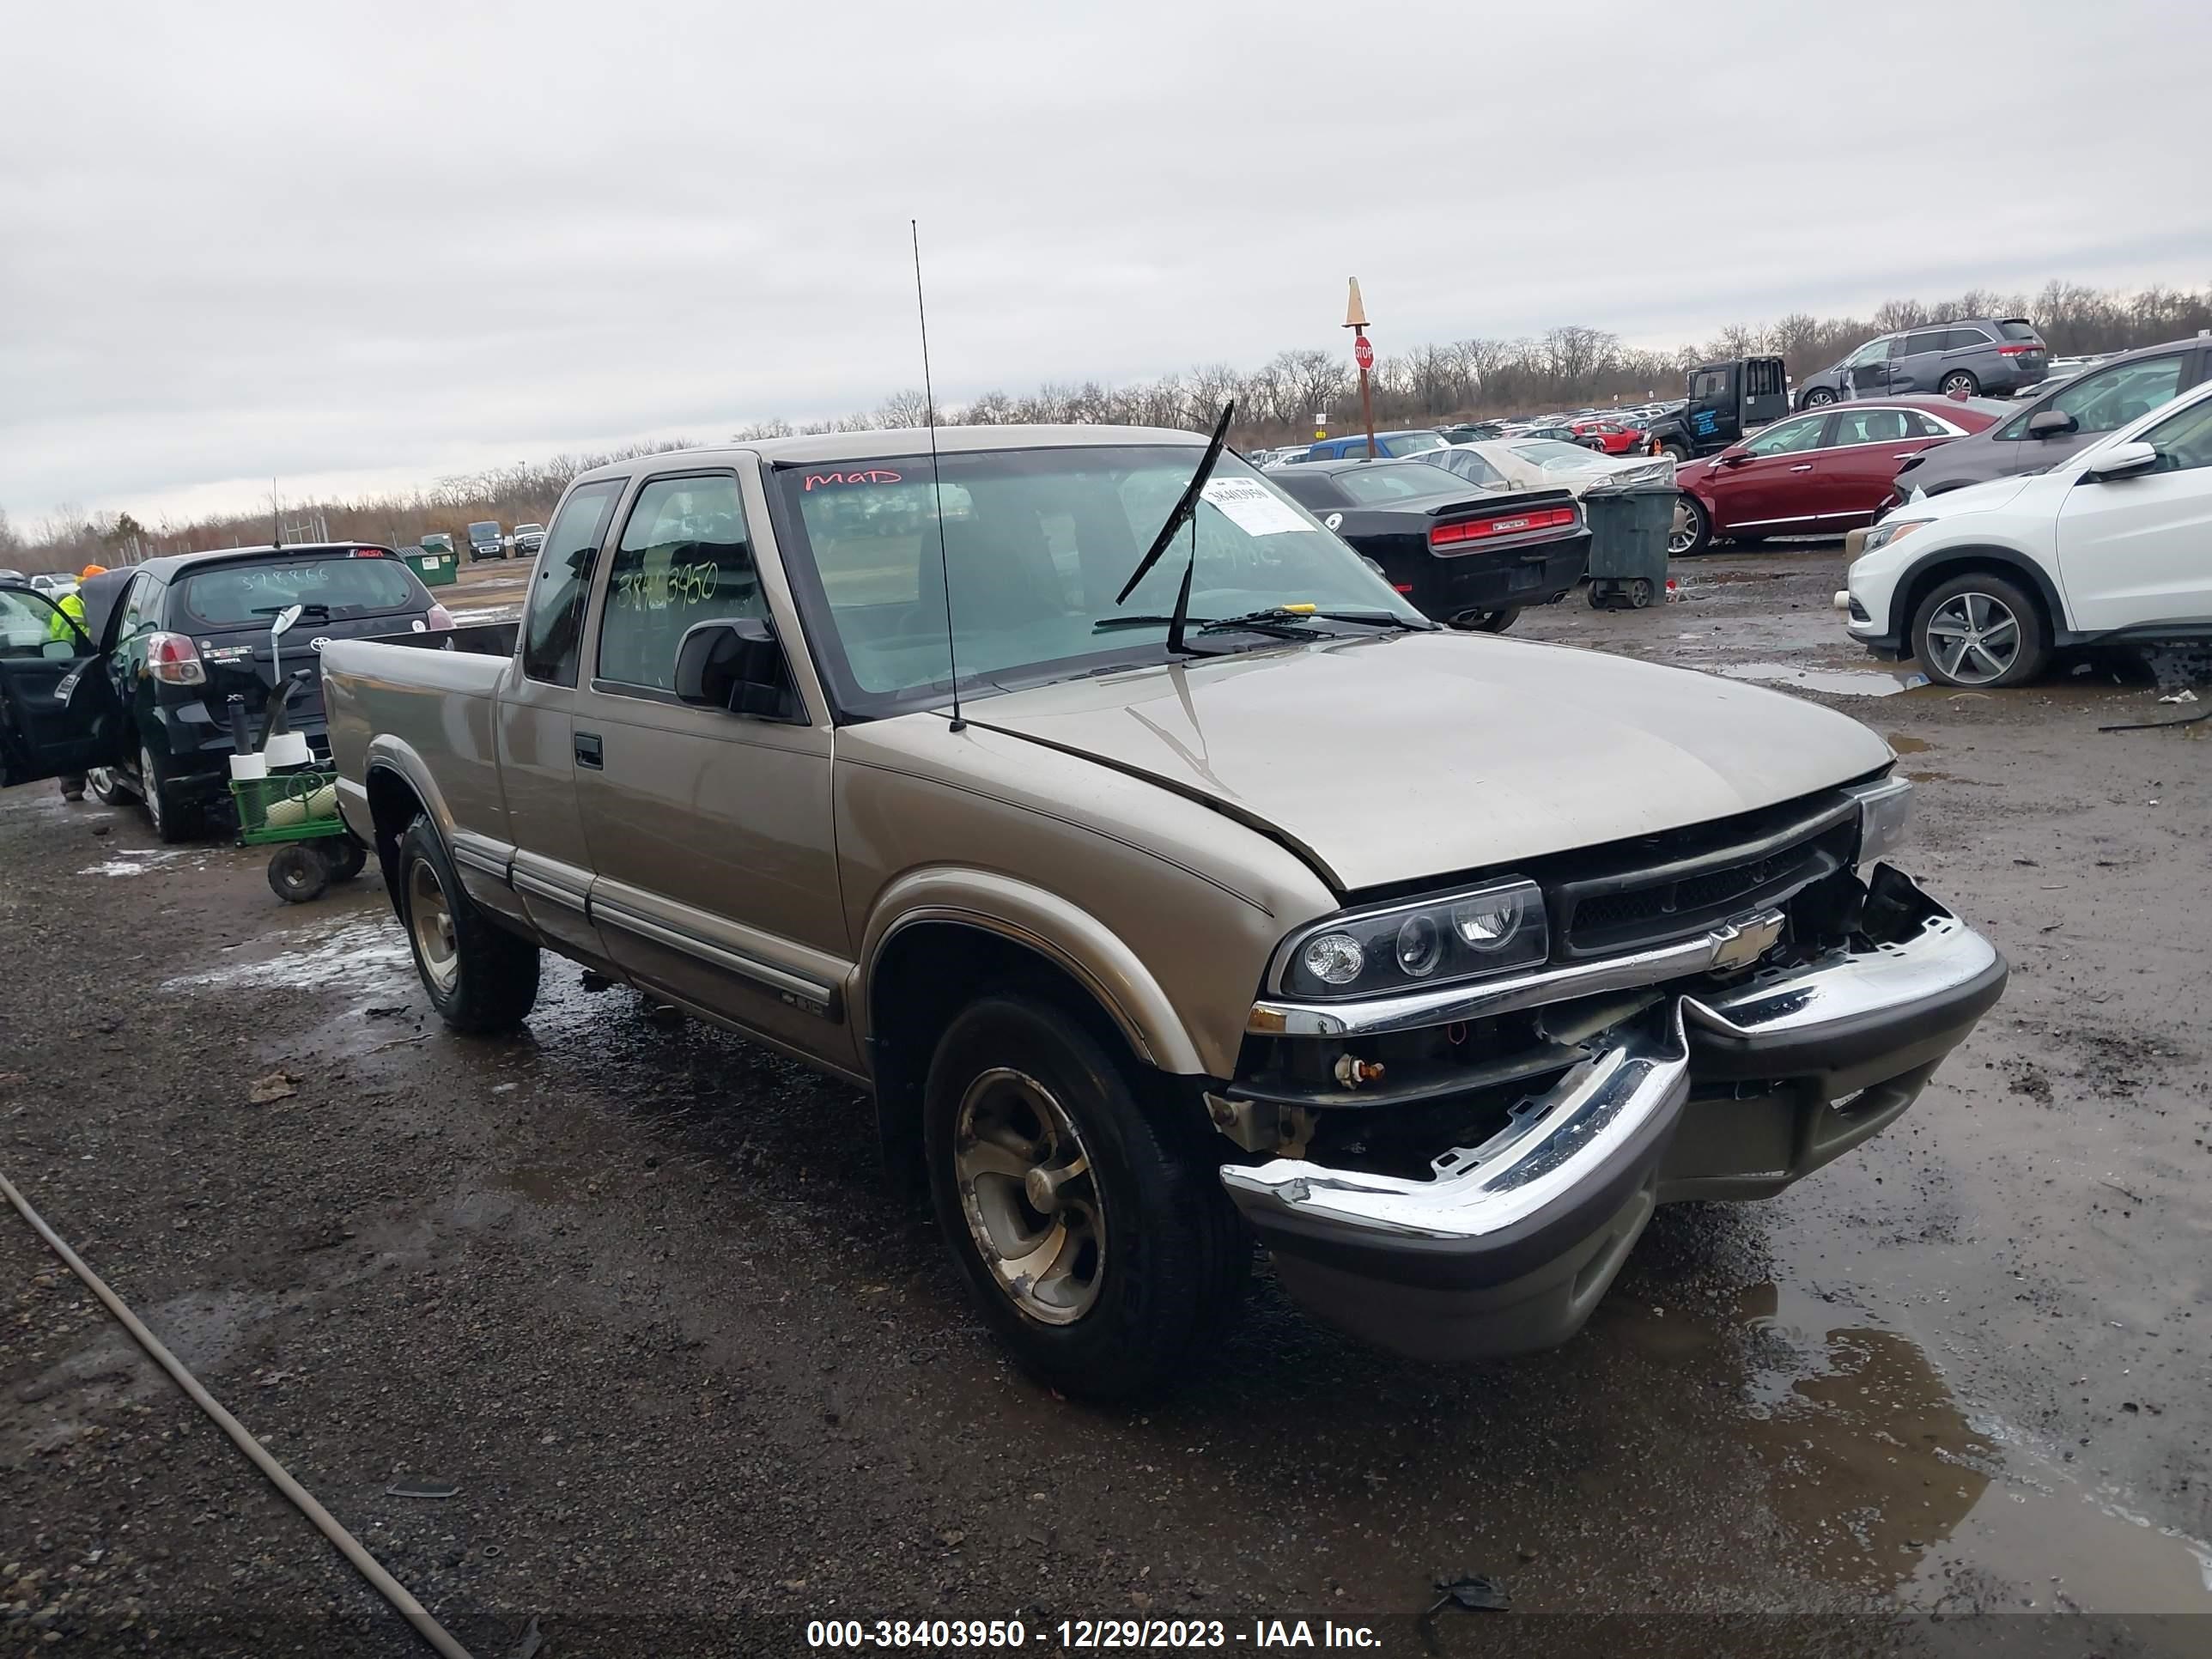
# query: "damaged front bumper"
{"points": [[1718, 1090]]}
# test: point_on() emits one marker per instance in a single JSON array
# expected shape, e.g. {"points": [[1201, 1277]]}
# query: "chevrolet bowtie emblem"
{"points": [[1740, 943]]}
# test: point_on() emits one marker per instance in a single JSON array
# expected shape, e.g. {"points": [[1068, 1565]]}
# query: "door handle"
{"points": [[589, 751], [1803, 466]]}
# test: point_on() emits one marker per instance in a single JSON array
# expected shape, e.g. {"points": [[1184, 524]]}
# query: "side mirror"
{"points": [[1731, 458], [2051, 423], [737, 664], [2122, 461]]}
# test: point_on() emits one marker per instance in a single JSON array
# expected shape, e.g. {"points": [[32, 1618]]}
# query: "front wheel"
{"points": [[1099, 1247], [104, 787], [297, 873], [480, 978], [1981, 631], [1693, 529]]}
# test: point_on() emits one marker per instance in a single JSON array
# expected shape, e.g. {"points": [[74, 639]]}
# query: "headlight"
{"points": [[1398, 947], [1885, 812], [1888, 531]]}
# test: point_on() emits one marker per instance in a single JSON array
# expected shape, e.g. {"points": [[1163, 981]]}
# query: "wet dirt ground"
{"points": [[639, 1293]]}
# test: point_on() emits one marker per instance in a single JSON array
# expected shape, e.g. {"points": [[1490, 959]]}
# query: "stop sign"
{"points": [[1363, 352]]}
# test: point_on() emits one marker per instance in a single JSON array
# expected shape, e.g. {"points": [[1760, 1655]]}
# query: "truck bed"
{"points": [[430, 695]]}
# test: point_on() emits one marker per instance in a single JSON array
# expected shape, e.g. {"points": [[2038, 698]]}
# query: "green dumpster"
{"points": [[1628, 545], [435, 568]]}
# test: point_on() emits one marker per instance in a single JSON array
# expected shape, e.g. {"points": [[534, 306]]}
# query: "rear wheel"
{"points": [[173, 820], [346, 857], [1692, 530], [1980, 631], [1098, 1245], [479, 978], [1960, 384], [297, 872]]}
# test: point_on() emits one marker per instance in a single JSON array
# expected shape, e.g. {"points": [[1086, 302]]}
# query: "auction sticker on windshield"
{"points": [[1252, 508]]}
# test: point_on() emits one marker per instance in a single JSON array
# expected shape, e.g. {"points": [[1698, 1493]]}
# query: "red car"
{"points": [[1819, 473], [1611, 437]]}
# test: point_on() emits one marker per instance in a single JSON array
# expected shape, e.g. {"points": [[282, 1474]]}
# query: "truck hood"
{"points": [[1392, 758]]}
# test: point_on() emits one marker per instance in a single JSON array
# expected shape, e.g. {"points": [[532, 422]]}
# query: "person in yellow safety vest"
{"points": [[70, 615]]}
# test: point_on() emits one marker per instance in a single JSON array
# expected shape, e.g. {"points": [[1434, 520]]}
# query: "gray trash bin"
{"points": [[1628, 545]]}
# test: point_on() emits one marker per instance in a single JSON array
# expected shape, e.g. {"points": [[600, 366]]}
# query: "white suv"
{"points": [[2113, 543]]}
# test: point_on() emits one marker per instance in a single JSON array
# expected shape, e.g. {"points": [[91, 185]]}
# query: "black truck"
{"points": [[1722, 403]]}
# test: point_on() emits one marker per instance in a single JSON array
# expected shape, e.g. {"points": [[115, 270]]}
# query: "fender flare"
{"points": [[1915, 575], [1063, 933], [387, 753]]}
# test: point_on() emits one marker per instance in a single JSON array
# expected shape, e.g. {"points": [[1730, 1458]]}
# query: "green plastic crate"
{"points": [[300, 805]]}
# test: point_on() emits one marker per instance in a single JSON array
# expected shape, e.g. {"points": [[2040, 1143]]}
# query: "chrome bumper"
{"points": [[1509, 1244]]}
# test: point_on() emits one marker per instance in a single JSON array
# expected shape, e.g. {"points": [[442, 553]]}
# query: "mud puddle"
{"points": [[1892, 1486]]}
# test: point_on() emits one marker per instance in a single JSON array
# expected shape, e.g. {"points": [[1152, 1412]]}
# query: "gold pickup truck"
{"points": [[1236, 901]]}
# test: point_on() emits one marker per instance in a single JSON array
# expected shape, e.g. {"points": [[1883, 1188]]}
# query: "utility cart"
{"points": [[297, 812]]}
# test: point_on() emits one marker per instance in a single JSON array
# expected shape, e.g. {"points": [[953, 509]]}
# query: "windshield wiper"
{"points": [[1287, 620], [1186, 508]]}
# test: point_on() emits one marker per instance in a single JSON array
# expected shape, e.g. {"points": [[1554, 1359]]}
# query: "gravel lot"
{"points": [[640, 1293]]}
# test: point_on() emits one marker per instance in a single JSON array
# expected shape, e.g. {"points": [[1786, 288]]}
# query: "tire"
{"points": [[1680, 452], [480, 978], [346, 857], [1695, 534], [1819, 398], [1639, 594], [1488, 622], [1155, 1258], [1966, 606], [1960, 383], [173, 821], [297, 872], [102, 784]]}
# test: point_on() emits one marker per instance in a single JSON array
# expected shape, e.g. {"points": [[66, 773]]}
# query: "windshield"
{"points": [[530, 530], [1550, 454], [482, 532], [234, 595], [1038, 542], [1410, 443]]}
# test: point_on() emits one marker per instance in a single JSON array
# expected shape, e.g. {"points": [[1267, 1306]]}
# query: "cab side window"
{"points": [[1788, 437], [686, 556], [553, 631]]}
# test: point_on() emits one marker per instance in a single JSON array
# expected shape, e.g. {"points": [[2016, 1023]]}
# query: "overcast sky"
{"points": [[365, 246]]}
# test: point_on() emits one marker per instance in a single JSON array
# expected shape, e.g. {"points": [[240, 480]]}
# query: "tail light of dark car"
{"points": [[174, 659], [1508, 524], [439, 617]]}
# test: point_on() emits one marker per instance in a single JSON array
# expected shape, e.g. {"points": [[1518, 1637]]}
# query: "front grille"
{"points": [[1666, 887]]}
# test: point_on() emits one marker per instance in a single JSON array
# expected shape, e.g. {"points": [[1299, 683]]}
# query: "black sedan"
{"points": [[1471, 558]]}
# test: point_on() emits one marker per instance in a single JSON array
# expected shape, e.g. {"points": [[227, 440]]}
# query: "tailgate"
{"points": [[241, 661]]}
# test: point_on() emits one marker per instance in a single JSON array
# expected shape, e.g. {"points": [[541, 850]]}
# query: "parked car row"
{"points": [[138, 698], [2104, 543], [1826, 470]]}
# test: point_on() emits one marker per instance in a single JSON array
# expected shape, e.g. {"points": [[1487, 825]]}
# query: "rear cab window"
{"points": [[339, 586]]}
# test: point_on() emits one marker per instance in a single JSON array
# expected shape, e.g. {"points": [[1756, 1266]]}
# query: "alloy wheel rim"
{"points": [[1683, 540], [1958, 383], [1030, 1198], [430, 919], [1974, 638]]}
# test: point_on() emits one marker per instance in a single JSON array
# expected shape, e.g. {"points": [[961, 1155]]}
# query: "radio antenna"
{"points": [[935, 484]]}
